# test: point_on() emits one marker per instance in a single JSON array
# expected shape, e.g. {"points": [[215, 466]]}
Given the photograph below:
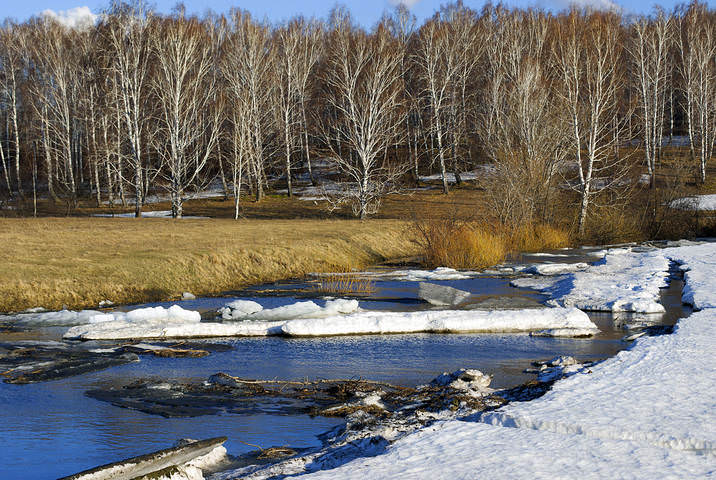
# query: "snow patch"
{"points": [[624, 281]]}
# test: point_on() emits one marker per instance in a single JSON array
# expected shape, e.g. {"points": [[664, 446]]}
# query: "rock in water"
{"points": [[441, 295], [188, 296]]}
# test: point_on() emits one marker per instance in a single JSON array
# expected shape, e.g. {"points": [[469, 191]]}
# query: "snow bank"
{"points": [[149, 214], [358, 323], [546, 269], [663, 388], [463, 450], [246, 310], [441, 321], [699, 265], [624, 281], [68, 318]]}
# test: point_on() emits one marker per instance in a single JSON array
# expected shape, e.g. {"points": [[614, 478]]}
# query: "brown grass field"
{"points": [[78, 262]]}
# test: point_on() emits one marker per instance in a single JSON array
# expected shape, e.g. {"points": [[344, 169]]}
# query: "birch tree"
{"points": [[649, 48], [438, 66], [183, 77], [129, 35], [587, 58], [697, 68], [13, 53], [363, 86], [247, 64]]}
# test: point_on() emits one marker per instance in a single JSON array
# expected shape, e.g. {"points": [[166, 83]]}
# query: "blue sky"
{"points": [[365, 11]]}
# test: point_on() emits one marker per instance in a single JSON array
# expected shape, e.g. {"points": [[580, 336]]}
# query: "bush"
{"points": [[448, 243]]}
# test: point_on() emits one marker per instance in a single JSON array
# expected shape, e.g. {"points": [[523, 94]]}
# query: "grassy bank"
{"points": [[78, 262]]}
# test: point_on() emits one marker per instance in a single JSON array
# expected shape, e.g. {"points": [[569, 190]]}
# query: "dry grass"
{"points": [[455, 244], [344, 284], [77, 262], [466, 244], [535, 238]]}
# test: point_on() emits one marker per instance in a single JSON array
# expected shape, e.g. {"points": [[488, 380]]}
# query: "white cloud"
{"points": [[78, 17], [608, 5], [407, 3]]}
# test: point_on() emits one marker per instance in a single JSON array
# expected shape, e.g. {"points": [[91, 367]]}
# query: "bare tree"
{"points": [[183, 77], [587, 51], [697, 68], [438, 65], [247, 64], [13, 50], [649, 47], [129, 34], [363, 86], [521, 126]]}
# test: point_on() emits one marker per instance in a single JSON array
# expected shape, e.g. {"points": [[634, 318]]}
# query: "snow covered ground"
{"points": [[697, 202], [646, 413], [624, 281], [152, 214]]}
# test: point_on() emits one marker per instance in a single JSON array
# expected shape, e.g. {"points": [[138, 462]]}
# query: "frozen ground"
{"points": [[646, 413]]}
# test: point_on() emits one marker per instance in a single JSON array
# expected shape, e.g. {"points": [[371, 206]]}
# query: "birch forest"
{"points": [[577, 104]]}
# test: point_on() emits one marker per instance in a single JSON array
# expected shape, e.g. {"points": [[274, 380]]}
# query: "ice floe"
{"points": [[440, 273], [247, 310], [358, 323]]}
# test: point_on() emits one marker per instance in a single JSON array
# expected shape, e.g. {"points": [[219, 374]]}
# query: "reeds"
{"points": [[470, 245], [344, 284]]}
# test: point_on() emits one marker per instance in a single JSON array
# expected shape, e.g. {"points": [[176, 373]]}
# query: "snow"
{"points": [[699, 265], [246, 310], [59, 318], [358, 323], [463, 450], [440, 321], [151, 214], [646, 413], [440, 273], [545, 269], [695, 203], [624, 281]]}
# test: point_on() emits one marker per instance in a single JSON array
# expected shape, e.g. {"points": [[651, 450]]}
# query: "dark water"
{"points": [[51, 429]]}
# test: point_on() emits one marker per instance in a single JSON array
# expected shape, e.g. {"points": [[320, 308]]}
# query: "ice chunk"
{"points": [[468, 380], [566, 332], [239, 309], [441, 294], [246, 310], [555, 268]]}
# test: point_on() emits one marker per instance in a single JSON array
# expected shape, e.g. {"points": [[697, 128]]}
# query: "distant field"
{"points": [[78, 262]]}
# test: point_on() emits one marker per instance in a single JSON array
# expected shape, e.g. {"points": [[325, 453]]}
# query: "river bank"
{"points": [[80, 262]]}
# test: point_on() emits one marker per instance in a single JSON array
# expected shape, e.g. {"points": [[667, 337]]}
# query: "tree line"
{"points": [[140, 102]]}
